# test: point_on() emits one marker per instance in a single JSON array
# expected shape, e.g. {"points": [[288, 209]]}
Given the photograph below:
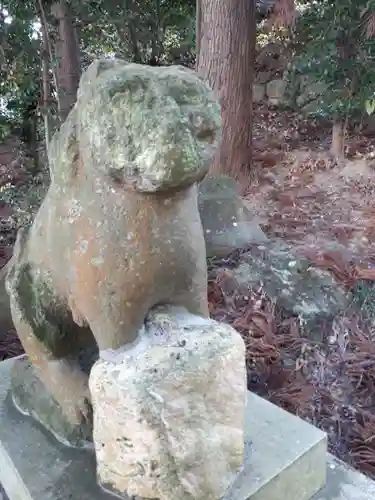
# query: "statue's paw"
{"points": [[69, 385], [80, 410]]}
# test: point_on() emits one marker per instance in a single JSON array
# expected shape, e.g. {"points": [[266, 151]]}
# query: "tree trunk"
{"points": [[156, 49], [33, 147], [29, 131], [198, 30], [46, 90], [48, 49], [226, 60], [338, 139], [67, 53], [137, 56]]}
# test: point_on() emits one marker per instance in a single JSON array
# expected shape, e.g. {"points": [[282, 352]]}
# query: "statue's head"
{"points": [[154, 128]]}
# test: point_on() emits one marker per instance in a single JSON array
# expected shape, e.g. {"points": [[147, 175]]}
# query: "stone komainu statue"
{"points": [[119, 230]]}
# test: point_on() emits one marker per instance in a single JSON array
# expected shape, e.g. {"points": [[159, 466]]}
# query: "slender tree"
{"points": [[226, 54], [67, 53]]}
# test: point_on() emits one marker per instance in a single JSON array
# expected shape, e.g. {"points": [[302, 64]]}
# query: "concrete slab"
{"points": [[345, 483], [286, 457], [3, 495], [33, 464]]}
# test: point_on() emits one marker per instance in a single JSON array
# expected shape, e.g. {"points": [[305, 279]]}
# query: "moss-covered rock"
{"points": [[227, 222], [151, 128], [311, 294]]}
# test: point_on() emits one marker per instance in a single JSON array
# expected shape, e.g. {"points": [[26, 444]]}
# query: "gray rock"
{"points": [[309, 293], [276, 91], [263, 77], [309, 97], [227, 222], [259, 92]]}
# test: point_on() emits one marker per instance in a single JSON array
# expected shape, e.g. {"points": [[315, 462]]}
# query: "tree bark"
{"points": [[198, 30], [46, 90], [67, 53], [226, 60], [29, 130], [338, 139], [48, 48]]}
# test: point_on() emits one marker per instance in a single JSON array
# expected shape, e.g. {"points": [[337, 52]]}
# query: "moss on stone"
{"points": [[39, 307]]}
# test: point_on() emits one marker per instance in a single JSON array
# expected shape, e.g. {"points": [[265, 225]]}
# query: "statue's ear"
{"points": [[63, 151], [95, 69]]}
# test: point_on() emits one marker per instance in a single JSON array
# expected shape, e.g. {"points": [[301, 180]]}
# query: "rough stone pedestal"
{"points": [[287, 459], [169, 411]]}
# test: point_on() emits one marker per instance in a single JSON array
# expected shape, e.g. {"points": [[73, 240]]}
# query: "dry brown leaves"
{"points": [[330, 385], [265, 334], [10, 346], [333, 262]]}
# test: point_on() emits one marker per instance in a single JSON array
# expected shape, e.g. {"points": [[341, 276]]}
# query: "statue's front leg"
{"points": [[63, 378], [192, 292], [50, 342]]}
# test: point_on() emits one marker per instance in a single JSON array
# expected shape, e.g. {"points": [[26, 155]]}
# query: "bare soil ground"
{"points": [[326, 212]]}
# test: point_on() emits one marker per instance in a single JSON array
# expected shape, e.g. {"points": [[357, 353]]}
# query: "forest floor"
{"points": [[326, 212]]}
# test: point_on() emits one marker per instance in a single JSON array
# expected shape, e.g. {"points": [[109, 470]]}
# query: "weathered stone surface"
{"points": [[167, 135], [345, 483], [311, 92], [227, 222], [169, 412], [31, 398], [262, 77], [114, 237], [259, 92], [34, 466], [286, 455], [310, 293], [275, 91]]}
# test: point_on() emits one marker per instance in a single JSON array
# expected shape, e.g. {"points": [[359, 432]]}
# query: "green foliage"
{"points": [[364, 299], [370, 106], [140, 31], [19, 72], [5, 127], [333, 48], [147, 31]]}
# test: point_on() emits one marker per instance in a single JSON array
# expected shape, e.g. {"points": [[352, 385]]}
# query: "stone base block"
{"points": [[169, 412], [34, 465], [287, 459]]}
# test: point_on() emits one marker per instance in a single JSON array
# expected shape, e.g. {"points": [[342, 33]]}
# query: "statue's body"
{"points": [[119, 230]]}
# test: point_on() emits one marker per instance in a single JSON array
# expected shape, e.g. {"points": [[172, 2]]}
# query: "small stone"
{"points": [[259, 92], [276, 91]]}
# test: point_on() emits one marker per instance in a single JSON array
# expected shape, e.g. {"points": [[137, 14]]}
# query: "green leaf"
{"points": [[370, 106]]}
